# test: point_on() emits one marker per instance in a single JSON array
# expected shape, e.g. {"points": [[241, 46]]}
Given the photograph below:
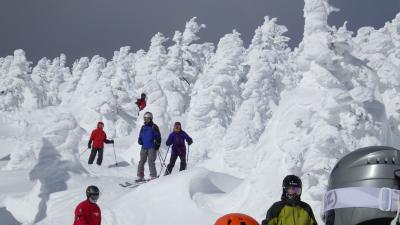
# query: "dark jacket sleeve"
{"points": [[311, 214], [189, 140], [140, 141], [157, 137], [170, 139], [90, 140], [272, 214], [268, 218]]}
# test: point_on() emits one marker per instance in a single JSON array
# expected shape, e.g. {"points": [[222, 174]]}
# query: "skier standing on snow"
{"points": [[98, 137], [150, 140], [141, 102], [177, 140], [290, 210], [88, 212]]}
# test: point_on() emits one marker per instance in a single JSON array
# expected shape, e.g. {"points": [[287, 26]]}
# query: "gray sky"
{"points": [[46, 28]]}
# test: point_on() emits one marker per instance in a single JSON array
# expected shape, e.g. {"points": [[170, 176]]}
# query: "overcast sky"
{"points": [[46, 28]]}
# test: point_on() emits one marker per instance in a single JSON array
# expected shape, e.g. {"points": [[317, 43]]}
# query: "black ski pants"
{"points": [[93, 155], [172, 161]]}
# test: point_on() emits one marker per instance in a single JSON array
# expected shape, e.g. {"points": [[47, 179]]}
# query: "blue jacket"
{"points": [[177, 140], [150, 136]]}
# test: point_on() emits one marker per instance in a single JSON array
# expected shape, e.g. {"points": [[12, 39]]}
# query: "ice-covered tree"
{"points": [[15, 83], [333, 110], [267, 63], [380, 49], [181, 69], [122, 87], [83, 101], [71, 81], [216, 94]]}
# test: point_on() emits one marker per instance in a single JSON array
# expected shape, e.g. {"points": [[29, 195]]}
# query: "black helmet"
{"points": [[92, 193], [143, 95], [291, 181]]}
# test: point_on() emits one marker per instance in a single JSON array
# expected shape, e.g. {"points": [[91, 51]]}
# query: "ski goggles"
{"points": [[293, 190], [94, 197], [384, 199], [147, 117]]}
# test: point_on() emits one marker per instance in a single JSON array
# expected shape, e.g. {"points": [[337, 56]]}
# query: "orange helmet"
{"points": [[236, 219]]}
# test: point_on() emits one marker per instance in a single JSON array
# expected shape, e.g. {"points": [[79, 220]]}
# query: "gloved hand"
{"points": [[190, 142], [112, 141], [157, 144], [89, 146]]}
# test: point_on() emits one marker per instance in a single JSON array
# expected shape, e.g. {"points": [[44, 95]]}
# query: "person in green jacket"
{"points": [[290, 210]]}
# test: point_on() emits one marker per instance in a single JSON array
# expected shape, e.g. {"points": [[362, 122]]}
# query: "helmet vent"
{"points": [[393, 160], [386, 160]]}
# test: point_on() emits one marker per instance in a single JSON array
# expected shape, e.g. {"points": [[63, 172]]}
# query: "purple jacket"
{"points": [[177, 140]]}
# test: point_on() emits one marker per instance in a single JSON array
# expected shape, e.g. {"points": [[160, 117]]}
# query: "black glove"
{"points": [[157, 144], [190, 142], [89, 146], [140, 142], [112, 141]]}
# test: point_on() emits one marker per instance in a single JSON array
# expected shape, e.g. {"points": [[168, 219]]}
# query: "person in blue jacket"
{"points": [[177, 140], [150, 140]]}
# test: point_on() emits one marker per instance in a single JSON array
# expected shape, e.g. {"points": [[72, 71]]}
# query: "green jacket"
{"points": [[290, 212]]}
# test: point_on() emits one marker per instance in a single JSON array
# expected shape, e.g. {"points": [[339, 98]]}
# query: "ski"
{"points": [[130, 185], [133, 184]]}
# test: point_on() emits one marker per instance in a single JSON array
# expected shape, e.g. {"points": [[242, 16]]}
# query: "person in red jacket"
{"points": [[98, 137], [88, 212], [141, 102]]}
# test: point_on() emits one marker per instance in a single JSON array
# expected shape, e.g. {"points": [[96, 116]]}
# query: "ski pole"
{"points": [[163, 160], [115, 156], [161, 164], [83, 152]]}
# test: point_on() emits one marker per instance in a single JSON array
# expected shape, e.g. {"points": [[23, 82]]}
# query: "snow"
{"points": [[256, 114]]}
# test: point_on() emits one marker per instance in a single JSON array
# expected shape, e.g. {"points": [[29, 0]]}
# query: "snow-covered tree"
{"points": [[266, 60], [216, 94], [181, 69], [380, 49], [15, 83], [333, 110], [48, 76], [71, 81], [84, 102]]}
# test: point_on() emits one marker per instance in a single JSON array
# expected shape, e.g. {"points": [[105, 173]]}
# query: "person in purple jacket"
{"points": [[177, 140]]}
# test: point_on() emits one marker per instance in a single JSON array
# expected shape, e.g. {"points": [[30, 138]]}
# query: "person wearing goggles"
{"points": [[88, 212], [290, 210]]}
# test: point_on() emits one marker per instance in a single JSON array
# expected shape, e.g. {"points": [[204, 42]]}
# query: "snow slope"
{"points": [[256, 114]]}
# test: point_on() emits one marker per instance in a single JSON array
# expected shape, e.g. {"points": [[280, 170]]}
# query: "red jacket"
{"points": [[87, 213], [141, 103], [98, 137]]}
